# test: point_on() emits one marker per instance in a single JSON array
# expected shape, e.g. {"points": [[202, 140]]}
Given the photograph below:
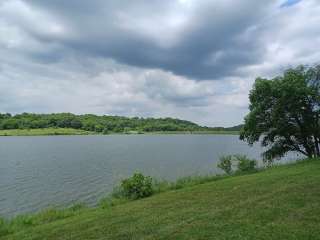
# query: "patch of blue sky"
{"points": [[289, 3]]}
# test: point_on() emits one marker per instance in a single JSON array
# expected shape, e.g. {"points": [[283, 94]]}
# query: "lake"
{"points": [[38, 172]]}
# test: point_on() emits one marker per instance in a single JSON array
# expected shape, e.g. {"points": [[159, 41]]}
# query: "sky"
{"points": [[188, 59]]}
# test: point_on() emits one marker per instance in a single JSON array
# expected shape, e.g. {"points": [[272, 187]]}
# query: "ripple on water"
{"points": [[37, 172]]}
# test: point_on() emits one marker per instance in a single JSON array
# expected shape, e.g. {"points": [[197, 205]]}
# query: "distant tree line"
{"points": [[102, 124]]}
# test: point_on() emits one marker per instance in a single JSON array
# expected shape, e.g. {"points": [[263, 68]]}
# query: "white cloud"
{"points": [[187, 59]]}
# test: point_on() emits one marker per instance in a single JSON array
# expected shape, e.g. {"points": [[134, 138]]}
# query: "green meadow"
{"points": [[44, 132]]}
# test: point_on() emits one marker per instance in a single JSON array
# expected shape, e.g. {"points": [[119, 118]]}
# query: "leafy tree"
{"points": [[75, 123], [10, 123], [98, 128], [284, 113], [5, 116]]}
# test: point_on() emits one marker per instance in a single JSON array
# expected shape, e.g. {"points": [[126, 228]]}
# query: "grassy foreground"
{"points": [[44, 132], [279, 203]]}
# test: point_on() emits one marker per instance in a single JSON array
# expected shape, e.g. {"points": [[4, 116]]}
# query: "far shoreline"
{"points": [[78, 132]]}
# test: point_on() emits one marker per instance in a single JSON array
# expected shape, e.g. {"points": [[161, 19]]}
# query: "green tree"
{"points": [[9, 123], [284, 113], [75, 123]]}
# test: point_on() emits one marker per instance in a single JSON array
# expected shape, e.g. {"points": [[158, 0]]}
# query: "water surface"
{"points": [[37, 172]]}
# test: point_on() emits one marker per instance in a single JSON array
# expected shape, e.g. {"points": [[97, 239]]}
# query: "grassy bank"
{"points": [[71, 131], [222, 132], [44, 132], [278, 203]]}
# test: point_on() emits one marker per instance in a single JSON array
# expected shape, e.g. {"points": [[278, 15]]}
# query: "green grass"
{"points": [[196, 132], [71, 131], [44, 132], [280, 203]]}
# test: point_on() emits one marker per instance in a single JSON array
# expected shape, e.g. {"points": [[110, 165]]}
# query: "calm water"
{"points": [[37, 172]]}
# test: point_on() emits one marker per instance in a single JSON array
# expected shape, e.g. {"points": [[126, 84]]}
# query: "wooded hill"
{"points": [[101, 124]]}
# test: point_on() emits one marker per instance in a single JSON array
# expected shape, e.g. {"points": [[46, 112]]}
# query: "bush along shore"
{"points": [[243, 173], [140, 186]]}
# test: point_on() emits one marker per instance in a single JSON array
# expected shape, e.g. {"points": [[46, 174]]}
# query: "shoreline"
{"points": [[78, 132], [160, 186], [257, 188]]}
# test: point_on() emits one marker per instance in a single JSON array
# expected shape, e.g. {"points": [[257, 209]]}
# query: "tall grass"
{"points": [[117, 197], [46, 216]]}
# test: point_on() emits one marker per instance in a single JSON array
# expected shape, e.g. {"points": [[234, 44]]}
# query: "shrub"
{"points": [[135, 187], [225, 163], [245, 164]]}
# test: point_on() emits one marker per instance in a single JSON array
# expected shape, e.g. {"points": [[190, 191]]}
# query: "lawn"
{"points": [[278, 203]]}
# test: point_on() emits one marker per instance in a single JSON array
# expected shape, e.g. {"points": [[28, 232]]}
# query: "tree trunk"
{"points": [[316, 142], [309, 150]]}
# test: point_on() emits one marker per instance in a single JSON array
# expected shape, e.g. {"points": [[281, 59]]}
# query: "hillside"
{"points": [[279, 203], [99, 124]]}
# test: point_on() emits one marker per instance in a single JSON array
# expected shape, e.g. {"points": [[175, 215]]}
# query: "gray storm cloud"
{"points": [[199, 40], [189, 59]]}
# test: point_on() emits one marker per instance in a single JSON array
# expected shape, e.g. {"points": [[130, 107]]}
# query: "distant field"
{"points": [[197, 132], [44, 132], [71, 131]]}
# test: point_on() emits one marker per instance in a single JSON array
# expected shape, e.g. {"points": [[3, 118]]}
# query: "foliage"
{"points": [[225, 163], [285, 113], [245, 164], [100, 124], [242, 162], [137, 186]]}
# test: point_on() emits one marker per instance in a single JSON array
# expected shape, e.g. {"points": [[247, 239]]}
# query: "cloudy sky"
{"points": [[190, 59]]}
